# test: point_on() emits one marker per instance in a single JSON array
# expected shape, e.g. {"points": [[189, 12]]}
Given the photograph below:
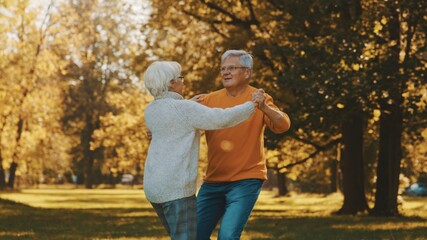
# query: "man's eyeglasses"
{"points": [[229, 68]]}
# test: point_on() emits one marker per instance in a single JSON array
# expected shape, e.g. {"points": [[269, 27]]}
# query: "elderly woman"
{"points": [[171, 166]]}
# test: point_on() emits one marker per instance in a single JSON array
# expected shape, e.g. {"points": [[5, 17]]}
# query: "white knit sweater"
{"points": [[171, 166]]}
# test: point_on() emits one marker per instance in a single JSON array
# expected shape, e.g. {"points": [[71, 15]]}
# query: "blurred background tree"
{"points": [[104, 36], [30, 95]]}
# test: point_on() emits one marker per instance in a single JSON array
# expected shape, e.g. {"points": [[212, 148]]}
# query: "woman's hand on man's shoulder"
{"points": [[198, 98]]}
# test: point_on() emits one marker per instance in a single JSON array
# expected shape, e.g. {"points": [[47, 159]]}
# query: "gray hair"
{"points": [[245, 58], [158, 76]]}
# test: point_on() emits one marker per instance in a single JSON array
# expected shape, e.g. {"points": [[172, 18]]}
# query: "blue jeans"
{"points": [[233, 201], [179, 217]]}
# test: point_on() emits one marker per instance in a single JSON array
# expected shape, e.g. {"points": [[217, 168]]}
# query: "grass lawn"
{"points": [[125, 214]]}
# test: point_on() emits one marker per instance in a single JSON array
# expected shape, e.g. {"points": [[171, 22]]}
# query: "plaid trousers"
{"points": [[179, 217]]}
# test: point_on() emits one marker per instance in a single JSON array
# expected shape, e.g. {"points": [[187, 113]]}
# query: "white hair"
{"points": [[158, 76], [245, 58]]}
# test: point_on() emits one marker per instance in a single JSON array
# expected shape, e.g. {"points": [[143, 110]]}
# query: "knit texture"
{"points": [[170, 171]]}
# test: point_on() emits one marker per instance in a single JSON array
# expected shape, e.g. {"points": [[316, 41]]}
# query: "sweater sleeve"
{"points": [[267, 121], [201, 117]]}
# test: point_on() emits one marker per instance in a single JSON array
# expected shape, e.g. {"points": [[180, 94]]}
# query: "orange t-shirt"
{"points": [[237, 153]]}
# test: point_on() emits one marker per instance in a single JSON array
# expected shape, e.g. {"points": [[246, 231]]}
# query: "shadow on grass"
{"points": [[273, 225], [18, 221]]}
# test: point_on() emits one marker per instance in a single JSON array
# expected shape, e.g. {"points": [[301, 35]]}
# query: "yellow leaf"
{"points": [[424, 133], [355, 67], [378, 27], [383, 20], [340, 105], [377, 114], [392, 43]]}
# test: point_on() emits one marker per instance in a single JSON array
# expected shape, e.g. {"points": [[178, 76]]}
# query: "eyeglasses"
{"points": [[229, 68], [179, 78]]}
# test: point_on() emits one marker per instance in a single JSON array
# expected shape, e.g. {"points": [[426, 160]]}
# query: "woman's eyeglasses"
{"points": [[181, 78]]}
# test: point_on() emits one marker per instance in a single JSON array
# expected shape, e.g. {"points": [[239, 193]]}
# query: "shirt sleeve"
{"points": [[267, 121], [201, 117]]}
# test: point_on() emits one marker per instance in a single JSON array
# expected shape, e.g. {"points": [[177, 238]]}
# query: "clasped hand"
{"points": [[258, 98]]}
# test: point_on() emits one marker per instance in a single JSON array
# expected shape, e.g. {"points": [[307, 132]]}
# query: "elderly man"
{"points": [[236, 162]]}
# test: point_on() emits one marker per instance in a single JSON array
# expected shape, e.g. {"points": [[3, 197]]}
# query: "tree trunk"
{"points": [[352, 167], [390, 155], [334, 176], [11, 180], [391, 127], [2, 175], [88, 153], [281, 183], [88, 173], [336, 172]]}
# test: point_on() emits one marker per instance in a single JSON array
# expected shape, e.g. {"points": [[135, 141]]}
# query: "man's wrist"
{"points": [[263, 108]]}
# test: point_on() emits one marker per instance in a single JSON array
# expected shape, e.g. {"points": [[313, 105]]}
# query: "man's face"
{"points": [[233, 73]]}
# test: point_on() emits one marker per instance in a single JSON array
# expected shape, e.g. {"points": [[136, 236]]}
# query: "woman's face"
{"points": [[177, 85]]}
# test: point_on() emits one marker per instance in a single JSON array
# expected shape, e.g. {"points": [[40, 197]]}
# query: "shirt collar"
{"points": [[170, 94]]}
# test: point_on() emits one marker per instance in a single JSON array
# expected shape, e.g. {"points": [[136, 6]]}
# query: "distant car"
{"points": [[416, 189], [127, 179]]}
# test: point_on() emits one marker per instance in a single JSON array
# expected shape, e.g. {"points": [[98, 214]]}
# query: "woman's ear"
{"points": [[172, 84]]}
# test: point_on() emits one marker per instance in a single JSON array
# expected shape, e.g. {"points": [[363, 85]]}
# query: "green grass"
{"points": [[125, 214]]}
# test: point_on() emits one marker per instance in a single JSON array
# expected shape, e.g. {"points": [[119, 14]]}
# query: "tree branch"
{"points": [[313, 154], [206, 20], [215, 29], [422, 123], [234, 20], [221, 10], [268, 62], [252, 12], [316, 146], [276, 5]]}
